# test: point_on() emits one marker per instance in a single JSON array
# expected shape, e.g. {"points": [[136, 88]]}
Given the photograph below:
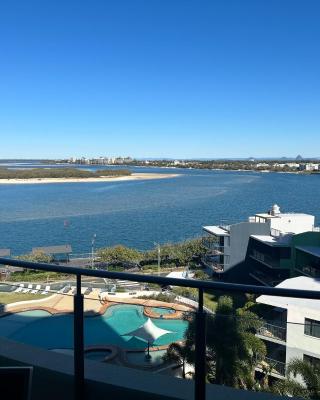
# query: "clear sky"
{"points": [[159, 78]]}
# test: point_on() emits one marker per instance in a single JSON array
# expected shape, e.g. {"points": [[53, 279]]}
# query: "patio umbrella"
{"points": [[148, 332]]}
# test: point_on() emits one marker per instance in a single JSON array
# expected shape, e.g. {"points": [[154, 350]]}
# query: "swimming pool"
{"points": [[139, 358], [163, 310], [40, 328]]}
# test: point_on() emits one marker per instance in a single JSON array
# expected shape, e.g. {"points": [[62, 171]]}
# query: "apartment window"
{"points": [[314, 361], [312, 327]]}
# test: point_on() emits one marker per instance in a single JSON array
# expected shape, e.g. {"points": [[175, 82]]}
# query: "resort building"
{"points": [[273, 258], [309, 167], [292, 328], [264, 243], [57, 253]]}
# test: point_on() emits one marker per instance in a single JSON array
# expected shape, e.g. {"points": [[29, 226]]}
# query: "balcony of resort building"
{"points": [[84, 343]]}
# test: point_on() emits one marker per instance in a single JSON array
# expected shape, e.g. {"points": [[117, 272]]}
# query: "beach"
{"points": [[132, 177]]}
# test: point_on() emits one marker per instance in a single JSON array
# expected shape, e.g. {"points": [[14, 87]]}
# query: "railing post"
{"points": [[200, 342], [78, 336]]}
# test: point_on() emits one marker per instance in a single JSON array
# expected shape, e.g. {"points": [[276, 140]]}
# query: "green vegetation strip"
{"points": [[7, 298], [39, 173]]}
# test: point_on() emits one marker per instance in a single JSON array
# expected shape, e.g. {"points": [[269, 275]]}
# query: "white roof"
{"points": [[272, 240], [180, 275], [301, 282], [216, 230], [283, 215], [148, 332], [266, 215], [298, 215], [313, 250]]}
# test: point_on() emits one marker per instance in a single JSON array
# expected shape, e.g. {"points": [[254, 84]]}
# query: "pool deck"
{"points": [[94, 304]]}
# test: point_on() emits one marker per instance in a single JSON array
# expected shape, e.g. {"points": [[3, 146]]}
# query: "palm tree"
{"points": [[232, 347], [310, 376], [231, 336], [178, 353]]}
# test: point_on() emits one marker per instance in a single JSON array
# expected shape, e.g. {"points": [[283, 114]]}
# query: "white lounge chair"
{"points": [[20, 288], [28, 289], [83, 289], [46, 290], [36, 290]]}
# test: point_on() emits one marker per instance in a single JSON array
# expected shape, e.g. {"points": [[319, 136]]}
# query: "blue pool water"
{"points": [[42, 329], [139, 213], [162, 310], [140, 359], [98, 355]]}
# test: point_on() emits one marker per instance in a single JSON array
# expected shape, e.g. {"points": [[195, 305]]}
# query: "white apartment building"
{"points": [[293, 327], [309, 167], [227, 245]]}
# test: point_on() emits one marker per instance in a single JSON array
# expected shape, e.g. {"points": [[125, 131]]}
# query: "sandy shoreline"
{"points": [[132, 177]]}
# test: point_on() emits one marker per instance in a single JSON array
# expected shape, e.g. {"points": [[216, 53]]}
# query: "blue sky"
{"points": [[159, 78]]}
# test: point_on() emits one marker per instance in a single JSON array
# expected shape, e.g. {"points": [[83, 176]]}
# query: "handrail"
{"points": [[200, 336], [161, 280]]}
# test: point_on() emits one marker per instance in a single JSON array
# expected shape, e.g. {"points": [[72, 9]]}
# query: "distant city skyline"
{"points": [[181, 79]]}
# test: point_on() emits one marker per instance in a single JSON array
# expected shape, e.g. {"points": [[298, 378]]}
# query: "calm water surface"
{"points": [[39, 328], [138, 213]]}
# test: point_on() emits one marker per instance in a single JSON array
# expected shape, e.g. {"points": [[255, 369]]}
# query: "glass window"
{"points": [[312, 327], [314, 361]]}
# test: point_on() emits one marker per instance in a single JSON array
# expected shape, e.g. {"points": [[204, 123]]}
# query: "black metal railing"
{"points": [[309, 270], [200, 334], [265, 259], [274, 366], [273, 331]]}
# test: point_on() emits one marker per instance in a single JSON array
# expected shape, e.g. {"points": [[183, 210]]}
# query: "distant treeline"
{"points": [[6, 173], [232, 165]]}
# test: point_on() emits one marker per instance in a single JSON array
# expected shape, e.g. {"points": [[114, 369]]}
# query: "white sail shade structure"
{"points": [[148, 332]]}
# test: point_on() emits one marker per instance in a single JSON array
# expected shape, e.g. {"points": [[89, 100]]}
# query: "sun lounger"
{"points": [[65, 289], [20, 288], [46, 290], [87, 291], [36, 290], [28, 289]]}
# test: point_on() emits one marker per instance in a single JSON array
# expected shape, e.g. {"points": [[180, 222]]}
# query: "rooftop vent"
{"points": [[275, 210]]}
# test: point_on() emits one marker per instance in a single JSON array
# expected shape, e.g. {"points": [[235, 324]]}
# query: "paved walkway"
{"points": [[96, 303]]}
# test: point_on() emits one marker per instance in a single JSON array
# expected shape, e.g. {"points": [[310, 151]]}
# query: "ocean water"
{"points": [[139, 213]]}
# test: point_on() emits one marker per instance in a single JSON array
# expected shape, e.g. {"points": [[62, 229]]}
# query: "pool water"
{"points": [[39, 328], [140, 358], [163, 310], [97, 355]]}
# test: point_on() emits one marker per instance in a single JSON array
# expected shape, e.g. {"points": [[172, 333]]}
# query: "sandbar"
{"points": [[132, 177]]}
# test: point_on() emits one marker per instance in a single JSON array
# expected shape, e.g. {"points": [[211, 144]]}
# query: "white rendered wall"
{"points": [[297, 342], [239, 239], [293, 223]]}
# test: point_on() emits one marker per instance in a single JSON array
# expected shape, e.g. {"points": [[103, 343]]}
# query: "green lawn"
{"points": [[33, 276], [209, 301], [7, 298]]}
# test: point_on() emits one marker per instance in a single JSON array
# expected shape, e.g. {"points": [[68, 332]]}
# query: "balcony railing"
{"points": [[215, 250], [212, 264], [273, 366], [265, 279], [200, 315], [313, 272], [265, 259], [210, 243], [273, 331]]}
